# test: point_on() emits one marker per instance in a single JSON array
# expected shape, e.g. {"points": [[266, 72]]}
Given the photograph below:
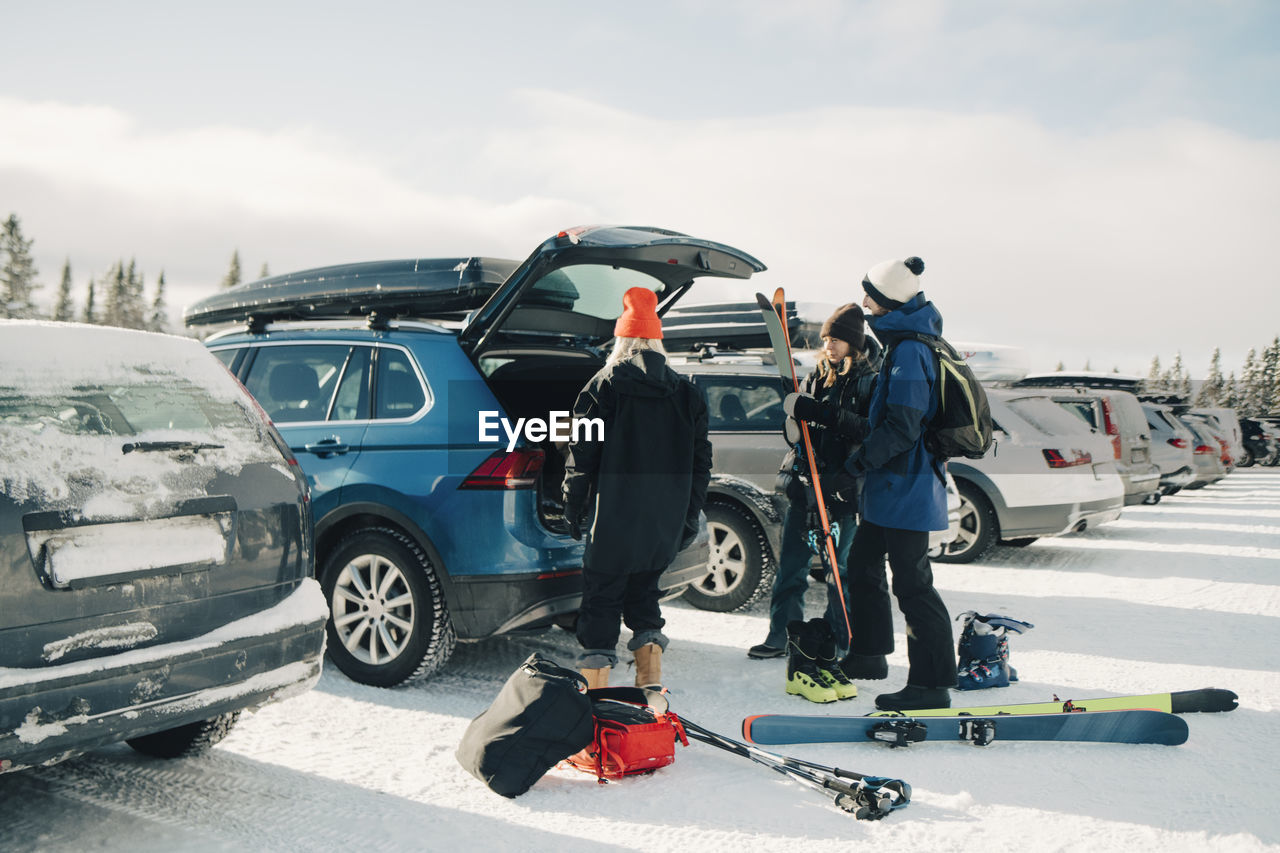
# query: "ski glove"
{"points": [[805, 408], [573, 516]]}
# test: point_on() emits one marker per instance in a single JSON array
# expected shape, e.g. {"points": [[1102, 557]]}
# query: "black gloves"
{"points": [[573, 516], [805, 408]]}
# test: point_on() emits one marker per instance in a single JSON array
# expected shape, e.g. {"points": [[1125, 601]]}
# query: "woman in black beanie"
{"points": [[833, 403]]}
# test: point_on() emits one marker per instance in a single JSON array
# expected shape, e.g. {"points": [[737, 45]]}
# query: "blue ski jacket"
{"points": [[905, 484]]}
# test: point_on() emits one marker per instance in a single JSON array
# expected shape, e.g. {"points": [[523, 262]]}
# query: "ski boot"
{"points": [[827, 663], [804, 677], [983, 651]]}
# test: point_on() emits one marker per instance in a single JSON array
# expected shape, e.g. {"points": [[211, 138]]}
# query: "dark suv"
{"points": [[155, 547], [392, 382]]}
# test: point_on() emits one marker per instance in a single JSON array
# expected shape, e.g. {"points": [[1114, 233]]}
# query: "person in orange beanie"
{"points": [[641, 489]]}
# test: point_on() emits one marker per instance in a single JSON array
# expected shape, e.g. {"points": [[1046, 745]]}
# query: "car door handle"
{"points": [[326, 448]]}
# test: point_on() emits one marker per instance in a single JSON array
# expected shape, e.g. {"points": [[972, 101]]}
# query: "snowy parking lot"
{"points": [[1175, 596]]}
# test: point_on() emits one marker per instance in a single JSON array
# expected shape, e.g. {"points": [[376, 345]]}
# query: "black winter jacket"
{"points": [[649, 476], [832, 445]]}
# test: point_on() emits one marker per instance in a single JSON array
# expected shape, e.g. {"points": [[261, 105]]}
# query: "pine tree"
{"points": [[1231, 393], [1154, 383], [1061, 367], [64, 310], [232, 277], [116, 297], [264, 272], [1270, 390], [17, 272], [1213, 389], [1249, 397], [133, 306], [159, 319], [90, 309], [1086, 365], [1176, 379]]}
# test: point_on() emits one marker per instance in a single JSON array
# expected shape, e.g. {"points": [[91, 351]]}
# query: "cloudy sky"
{"points": [[1091, 181]]}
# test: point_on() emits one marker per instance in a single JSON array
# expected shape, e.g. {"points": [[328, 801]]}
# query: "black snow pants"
{"points": [[930, 649]]}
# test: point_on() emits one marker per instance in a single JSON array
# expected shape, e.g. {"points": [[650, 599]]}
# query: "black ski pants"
{"points": [[930, 650], [609, 598]]}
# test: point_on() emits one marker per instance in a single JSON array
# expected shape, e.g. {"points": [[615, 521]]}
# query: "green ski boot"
{"points": [[804, 677], [828, 663]]}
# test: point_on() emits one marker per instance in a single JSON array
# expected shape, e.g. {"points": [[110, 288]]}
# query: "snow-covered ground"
{"points": [[1176, 596]]}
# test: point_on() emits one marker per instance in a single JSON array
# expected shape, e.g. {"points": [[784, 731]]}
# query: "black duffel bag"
{"points": [[542, 716]]}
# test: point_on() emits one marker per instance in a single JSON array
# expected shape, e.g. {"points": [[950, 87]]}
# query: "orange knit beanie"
{"points": [[639, 315]]}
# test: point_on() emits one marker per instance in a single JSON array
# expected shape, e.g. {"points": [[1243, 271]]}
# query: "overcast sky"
{"points": [[1089, 180]]}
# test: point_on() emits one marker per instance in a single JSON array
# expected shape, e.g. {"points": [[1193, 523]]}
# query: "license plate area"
{"points": [[73, 554]]}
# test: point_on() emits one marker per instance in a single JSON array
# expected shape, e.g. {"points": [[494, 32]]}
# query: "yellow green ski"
{"points": [[1179, 702]]}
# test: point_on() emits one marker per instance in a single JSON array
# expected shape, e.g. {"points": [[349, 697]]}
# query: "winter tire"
{"points": [[1246, 459], [740, 566], [978, 527], [388, 622], [183, 741]]}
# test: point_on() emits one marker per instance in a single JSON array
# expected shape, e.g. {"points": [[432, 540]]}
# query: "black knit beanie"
{"points": [[847, 325]]}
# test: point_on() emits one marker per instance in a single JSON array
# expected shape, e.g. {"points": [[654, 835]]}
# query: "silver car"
{"points": [[1046, 474], [1172, 447]]}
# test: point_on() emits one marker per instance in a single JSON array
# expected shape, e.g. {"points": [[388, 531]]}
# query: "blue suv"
{"points": [[400, 386]]}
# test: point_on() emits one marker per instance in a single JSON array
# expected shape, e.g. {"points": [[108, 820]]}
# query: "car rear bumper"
{"points": [[49, 713], [500, 604]]}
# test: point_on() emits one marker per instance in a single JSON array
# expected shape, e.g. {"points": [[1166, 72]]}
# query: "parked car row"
{"points": [[1261, 440]]}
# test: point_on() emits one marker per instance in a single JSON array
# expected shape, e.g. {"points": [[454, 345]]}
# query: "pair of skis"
{"points": [[1148, 718], [775, 319]]}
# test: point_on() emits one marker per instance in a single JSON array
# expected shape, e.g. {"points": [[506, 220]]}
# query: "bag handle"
{"points": [[654, 699]]}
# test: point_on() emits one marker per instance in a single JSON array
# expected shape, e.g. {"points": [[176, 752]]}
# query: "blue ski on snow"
{"points": [[1127, 726]]}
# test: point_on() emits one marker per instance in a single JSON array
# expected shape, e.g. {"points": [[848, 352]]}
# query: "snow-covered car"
{"points": [[1046, 474], [1171, 447], [155, 547]]}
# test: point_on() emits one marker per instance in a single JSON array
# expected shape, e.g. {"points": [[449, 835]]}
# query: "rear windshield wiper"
{"points": [[145, 446]]}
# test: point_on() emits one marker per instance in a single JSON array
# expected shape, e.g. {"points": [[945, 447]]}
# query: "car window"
{"points": [[1046, 416], [747, 403], [1082, 409], [351, 403], [400, 393], [590, 289], [226, 356], [296, 383]]}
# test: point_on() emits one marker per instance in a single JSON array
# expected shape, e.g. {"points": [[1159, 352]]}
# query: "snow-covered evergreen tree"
{"points": [[90, 314], [232, 278], [17, 272], [158, 321], [1249, 394], [1213, 389], [1154, 383], [64, 310]]}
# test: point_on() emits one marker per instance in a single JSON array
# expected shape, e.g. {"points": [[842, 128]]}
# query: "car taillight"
{"points": [[1110, 426], [1203, 448], [1178, 442], [1056, 459], [515, 470]]}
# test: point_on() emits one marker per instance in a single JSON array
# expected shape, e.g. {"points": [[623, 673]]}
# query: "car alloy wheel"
{"points": [[977, 527], [373, 609], [739, 563], [388, 622]]}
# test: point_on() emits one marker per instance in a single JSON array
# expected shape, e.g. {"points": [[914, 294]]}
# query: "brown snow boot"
{"points": [[649, 666], [596, 677]]}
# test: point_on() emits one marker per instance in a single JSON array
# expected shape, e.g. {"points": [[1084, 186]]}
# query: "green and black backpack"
{"points": [[962, 424]]}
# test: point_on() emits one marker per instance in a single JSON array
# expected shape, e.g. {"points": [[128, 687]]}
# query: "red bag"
{"points": [[634, 733]]}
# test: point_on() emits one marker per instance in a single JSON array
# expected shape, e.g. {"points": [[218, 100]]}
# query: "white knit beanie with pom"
{"points": [[894, 283]]}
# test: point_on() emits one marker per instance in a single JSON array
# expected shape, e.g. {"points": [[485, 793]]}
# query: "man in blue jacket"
{"points": [[904, 497]]}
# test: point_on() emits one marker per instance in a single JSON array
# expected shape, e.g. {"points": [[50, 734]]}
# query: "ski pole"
{"points": [[864, 799]]}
